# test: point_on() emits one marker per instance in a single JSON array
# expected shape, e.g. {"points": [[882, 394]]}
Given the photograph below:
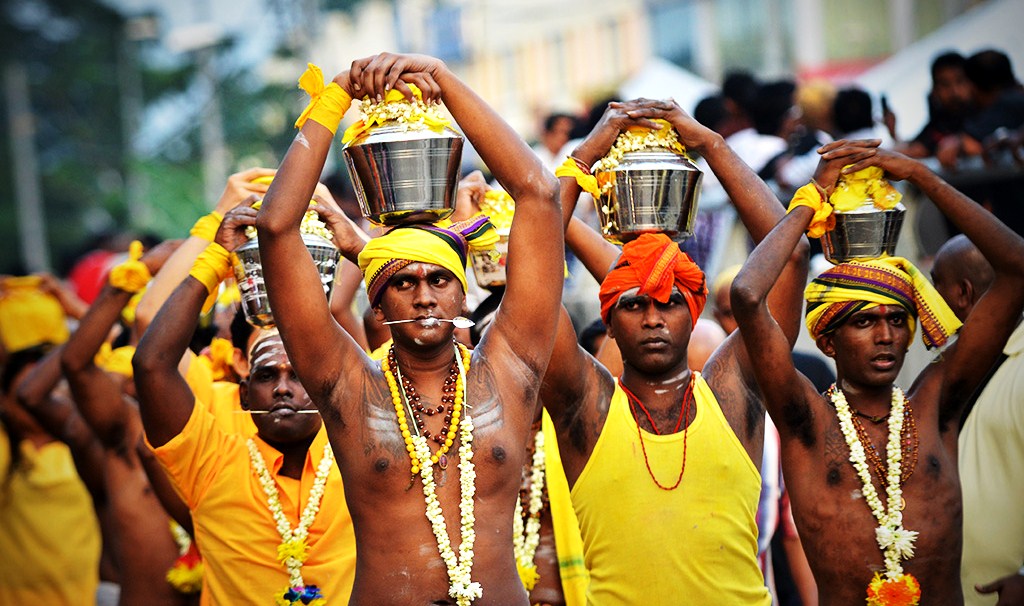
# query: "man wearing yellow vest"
{"points": [[872, 471], [268, 509], [663, 461], [433, 518]]}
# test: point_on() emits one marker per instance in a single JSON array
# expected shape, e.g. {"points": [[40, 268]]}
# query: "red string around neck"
{"points": [[684, 413]]}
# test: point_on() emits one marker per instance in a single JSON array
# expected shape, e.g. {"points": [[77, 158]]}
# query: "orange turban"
{"points": [[654, 264]]}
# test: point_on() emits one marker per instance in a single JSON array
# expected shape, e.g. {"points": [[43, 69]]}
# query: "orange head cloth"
{"points": [[654, 264]]}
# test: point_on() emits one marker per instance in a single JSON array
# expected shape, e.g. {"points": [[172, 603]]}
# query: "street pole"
{"points": [[25, 169]]}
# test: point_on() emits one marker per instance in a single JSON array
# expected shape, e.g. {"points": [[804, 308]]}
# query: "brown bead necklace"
{"points": [[416, 403], [909, 440]]}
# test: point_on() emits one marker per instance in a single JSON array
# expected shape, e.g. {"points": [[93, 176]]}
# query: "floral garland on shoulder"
{"points": [[460, 567], [896, 588], [293, 550], [526, 537]]}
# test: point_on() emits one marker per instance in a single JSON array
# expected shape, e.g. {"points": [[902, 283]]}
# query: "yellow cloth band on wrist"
{"points": [[812, 197], [206, 227], [586, 181], [327, 104], [212, 267], [131, 275]]}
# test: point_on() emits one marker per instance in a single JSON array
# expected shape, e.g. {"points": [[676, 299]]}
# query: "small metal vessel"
{"points": [[863, 234], [249, 276], [489, 265], [655, 191], [405, 176]]}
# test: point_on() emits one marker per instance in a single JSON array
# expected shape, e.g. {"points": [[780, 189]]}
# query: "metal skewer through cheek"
{"points": [[458, 321]]}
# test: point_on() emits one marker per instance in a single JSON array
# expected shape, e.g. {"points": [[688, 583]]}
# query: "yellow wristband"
{"points": [[212, 266], [206, 227], [131, 275], [587, 182], [813, 197], [327, 104]]}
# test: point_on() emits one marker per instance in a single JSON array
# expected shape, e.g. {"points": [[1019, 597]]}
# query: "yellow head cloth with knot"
{"points": [[118, 360], [28, 315], [444, 244], [848, 288], [131, 275]]}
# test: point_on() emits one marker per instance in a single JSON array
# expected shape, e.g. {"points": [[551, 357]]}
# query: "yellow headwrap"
{"points": [[445, 244], [29, 316], [847, 288], [116, 360]]}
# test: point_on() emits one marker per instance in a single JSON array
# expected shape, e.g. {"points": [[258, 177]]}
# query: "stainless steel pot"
{"points": [[405, 176], [863, 234], [655, 191], [249, 275]]}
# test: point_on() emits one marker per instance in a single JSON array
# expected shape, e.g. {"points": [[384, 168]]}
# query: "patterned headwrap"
{"points": [[848, 288], [445, 244], [654, 264]]}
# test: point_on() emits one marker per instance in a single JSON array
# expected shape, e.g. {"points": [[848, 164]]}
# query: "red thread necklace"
{"points": [[684, 417]]}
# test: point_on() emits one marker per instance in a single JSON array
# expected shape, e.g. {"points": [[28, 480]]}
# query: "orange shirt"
{"points": [[234, 529]]}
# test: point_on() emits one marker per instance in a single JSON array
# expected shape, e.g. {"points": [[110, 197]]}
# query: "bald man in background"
{"points": [[991, 444]]}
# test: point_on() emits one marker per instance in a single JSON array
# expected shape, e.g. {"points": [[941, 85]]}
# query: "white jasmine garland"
{"points": [[292, 550], [895, 541], [461, 586], [633, 141], [405, 114], [525, 540]]}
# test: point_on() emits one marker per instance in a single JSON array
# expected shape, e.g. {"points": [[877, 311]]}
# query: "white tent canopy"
{"points": [[660, 79], [905, 78]]}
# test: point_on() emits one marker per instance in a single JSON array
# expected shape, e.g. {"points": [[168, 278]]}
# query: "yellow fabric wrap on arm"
{"points": [[211, 267], [586, 181], [810, 196], [206, 226], [327, 104], [131, 275]]}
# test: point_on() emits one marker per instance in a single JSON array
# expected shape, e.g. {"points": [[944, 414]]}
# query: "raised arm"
{"points": [[97, 393], [786, 392], [321, 351], [239, 189], [527, 316], [165, 399], [986, 330], [37, 393]]}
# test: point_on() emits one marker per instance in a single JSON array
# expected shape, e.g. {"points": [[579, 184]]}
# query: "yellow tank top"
{"points": [[696, 544]]}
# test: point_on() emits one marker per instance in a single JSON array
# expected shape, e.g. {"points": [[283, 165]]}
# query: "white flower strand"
{"points": [[406, 115], [524, 544], [461, 585], [896, 542], [284, 528], [631, 141]]}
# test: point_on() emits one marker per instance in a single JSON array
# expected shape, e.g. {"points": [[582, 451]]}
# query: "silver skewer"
{"points": [[267, 412], [458, 321]]}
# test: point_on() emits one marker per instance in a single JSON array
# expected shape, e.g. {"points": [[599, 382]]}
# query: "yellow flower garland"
{"points": [[460, 582], [293, 550]]}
